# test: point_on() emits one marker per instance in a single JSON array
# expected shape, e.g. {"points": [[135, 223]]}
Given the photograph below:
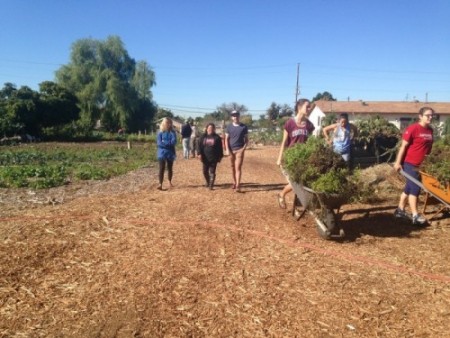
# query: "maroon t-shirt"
{"points": [[420, 141], [297, 134]]}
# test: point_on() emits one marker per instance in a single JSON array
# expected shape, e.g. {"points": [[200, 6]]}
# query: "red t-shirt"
{"points": [[297, 134], [420, 141]]}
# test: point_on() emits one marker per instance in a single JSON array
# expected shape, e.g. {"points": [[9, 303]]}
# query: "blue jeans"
{"points": [[186, 147]]}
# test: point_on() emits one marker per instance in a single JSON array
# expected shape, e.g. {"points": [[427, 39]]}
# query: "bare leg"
{"points": [[287, 188], [402, 202], [412, 200], [238, 167], [233, 168]]}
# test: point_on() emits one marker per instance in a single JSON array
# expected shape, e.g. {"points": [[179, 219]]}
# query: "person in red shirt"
{"points": [[417, 141], [296, 130]]}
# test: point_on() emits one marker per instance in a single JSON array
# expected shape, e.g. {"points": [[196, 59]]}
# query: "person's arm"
{"points": [[326, 130], [354, 130], [283, 145], [401, 155], [227, 139], [173, 139], [158, 139], [200, 148], [246, 140], [219, 148]]}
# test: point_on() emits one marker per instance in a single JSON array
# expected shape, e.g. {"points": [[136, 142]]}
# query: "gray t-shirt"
{"points": [[237, 135]]}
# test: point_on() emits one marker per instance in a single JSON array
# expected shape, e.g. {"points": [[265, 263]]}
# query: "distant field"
{"points": [[46, 165]]}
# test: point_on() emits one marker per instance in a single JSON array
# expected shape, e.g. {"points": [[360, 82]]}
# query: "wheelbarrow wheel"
{"points": [[326, 223]]}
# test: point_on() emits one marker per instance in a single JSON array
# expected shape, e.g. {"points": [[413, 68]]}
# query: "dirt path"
{"points": [[122, 259]]}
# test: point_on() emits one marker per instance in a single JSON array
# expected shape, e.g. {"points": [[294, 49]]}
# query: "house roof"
{"points": [[381, 107]]}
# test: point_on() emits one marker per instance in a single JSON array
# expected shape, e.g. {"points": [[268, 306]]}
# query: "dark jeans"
{"points": [[209, 170], [162, 168]]}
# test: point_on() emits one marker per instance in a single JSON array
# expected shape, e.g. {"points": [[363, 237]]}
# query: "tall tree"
{"points": [[162, 112], [18, 110], [109, 84], [58, 105], [225, 109], [7, 90], [325, 96], [276, 111], [143, 80]]}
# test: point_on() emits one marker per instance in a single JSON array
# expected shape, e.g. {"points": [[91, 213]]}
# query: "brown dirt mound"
{"points": [[120, 259]]}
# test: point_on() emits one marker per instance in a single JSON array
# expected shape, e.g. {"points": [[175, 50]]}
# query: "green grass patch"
{"points": [[47, 165]]}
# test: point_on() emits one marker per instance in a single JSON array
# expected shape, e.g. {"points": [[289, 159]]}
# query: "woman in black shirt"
{"points": [[210, 153]]}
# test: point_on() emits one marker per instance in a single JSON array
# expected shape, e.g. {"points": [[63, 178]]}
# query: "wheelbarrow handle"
{"points": [[412, 179]]}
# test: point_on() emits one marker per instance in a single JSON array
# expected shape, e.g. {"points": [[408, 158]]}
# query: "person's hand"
{"points": [[226, 152], [397, 166], [330, 142]]}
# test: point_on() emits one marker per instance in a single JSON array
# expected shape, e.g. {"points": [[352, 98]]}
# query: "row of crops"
{"points": [[46, 165]]}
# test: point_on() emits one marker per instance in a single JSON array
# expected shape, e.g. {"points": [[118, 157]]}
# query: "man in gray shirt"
{"points": [[236, 141]]}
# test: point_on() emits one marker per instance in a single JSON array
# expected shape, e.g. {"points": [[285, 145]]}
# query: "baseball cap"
{"points": [[235, 113]]}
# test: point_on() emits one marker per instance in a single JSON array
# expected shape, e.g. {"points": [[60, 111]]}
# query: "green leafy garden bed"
{"points": [[49, 165]]}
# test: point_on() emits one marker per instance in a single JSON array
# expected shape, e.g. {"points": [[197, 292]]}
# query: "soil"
{"points": [[122, 259]]}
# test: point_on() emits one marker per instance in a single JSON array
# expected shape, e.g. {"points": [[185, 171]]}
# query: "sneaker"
{"points": [[399, 213], [419, 220]]}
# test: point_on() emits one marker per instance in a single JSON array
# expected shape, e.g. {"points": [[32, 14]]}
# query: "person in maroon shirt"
{"points": [[417, 142], [296, 130]]}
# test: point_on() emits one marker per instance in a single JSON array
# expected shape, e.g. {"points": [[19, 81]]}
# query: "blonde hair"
{"points": [[166, 124]]}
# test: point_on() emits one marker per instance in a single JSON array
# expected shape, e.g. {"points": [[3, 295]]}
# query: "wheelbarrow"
{"points": [[321, 206], [431, 186]]}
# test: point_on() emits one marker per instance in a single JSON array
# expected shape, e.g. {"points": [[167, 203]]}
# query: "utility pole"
{"points": [[297, 90]]}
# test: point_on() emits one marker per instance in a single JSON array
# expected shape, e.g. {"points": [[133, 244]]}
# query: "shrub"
{"points": [[437, 164]]}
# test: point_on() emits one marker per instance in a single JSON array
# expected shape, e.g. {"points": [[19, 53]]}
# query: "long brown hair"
{"points": [[424, 109]]}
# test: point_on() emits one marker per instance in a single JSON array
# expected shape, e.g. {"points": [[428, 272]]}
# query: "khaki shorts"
{"points": [[237, 157]]}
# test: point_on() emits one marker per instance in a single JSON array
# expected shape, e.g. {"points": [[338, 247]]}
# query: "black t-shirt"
{"points": [[186, 131]]}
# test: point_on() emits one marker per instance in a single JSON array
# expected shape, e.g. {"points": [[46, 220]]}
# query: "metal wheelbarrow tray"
{"points": [[321, 206], [431, 186]]}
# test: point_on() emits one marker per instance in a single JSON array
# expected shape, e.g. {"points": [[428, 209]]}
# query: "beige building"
{"points": [[401, 114]]}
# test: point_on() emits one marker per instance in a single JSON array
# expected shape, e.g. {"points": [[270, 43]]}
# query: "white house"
{"points": [[401, 114]]}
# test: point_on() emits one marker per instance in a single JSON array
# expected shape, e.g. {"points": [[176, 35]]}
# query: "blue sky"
{"points": [[209, 52]]}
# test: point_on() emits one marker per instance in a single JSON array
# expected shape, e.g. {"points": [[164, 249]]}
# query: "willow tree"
{"points": [[110, 85]]}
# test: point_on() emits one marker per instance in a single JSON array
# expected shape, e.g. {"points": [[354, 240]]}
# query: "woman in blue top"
{"points": [[166, 141], [343, 133]]}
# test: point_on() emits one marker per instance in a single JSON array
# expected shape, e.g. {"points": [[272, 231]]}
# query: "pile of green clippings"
{"points": [[315, 165]]}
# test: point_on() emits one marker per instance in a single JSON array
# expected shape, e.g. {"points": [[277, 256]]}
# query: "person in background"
{"points": [[166, 154], [417, 141], [194, 140], [343, 133], [236, 141], [210, 151], [186, 132], [296, 130]]}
